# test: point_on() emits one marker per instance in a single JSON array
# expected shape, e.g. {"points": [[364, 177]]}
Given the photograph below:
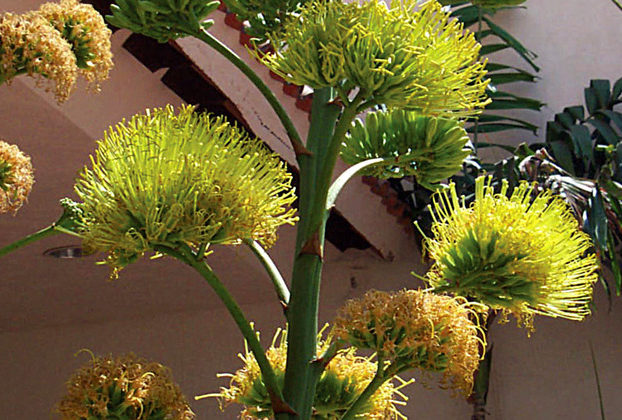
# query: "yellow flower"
{"points": [[86, 32], [30, 45], [125, 387], [430, 148], [524, 253], [343, 380], [414, 59], [16, 177], [164, 179], [414, 329]]}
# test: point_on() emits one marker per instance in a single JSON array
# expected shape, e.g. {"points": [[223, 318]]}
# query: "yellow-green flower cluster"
{"points": [[343, 380], [402, 56], [164, 178], [414, 329], [126, 387], [523, 253], [163, 20], [430, 148], [53, 44], [16, 177], [85, 30]]}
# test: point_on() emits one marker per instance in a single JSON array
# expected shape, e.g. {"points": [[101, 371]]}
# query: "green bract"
{"points": [[430, 148], [166, 179], [162, 20], [401, 57]]}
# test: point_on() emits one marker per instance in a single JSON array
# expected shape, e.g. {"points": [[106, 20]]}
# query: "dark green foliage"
{"points": [[585, 166]]}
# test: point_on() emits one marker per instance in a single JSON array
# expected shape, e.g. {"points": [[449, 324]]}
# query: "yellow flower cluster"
{"points": [[165, 178], [414, 329], [126, 387], [16, 177], [53, 44], [523, 253], [344, 379], [402, 56]]}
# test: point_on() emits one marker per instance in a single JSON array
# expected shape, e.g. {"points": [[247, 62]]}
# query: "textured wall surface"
{"points": [[49, 309]]}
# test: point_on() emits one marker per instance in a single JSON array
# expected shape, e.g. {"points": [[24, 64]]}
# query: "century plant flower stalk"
{"points": [[522, 253], [401, 56], [166, 178], [415, 329], [16, 178], [124, 387], [344, 379]]}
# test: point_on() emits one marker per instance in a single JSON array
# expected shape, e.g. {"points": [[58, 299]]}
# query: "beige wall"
{"points": [[52, 308]]}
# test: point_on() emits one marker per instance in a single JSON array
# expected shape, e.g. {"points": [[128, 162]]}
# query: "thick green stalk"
{"points": [[275, 275], [269, 378], [292, 133], [316, 172], [299, 388]]}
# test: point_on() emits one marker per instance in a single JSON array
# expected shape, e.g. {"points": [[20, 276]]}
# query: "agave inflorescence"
{"points": [[125, 387], [414, 329], [163, 20], [54, 43], [32, 46], [398, 56], [430, 148], [523, 254], [343, 380], [16, 177], [164, 178], [87, 34]]}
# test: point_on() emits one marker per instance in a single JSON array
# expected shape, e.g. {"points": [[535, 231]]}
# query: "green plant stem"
{"points": [[269, 378], [300, 375], [600, 393], [275, 275], [617, 3], [43, 233], [379, 379], [292, 133]]}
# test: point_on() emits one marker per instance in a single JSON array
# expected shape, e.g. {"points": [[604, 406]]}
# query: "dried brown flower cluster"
{"points": [[32, 46], [54, 43], [123, 387], [415, 329], [87, 34], [16, 177]]}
